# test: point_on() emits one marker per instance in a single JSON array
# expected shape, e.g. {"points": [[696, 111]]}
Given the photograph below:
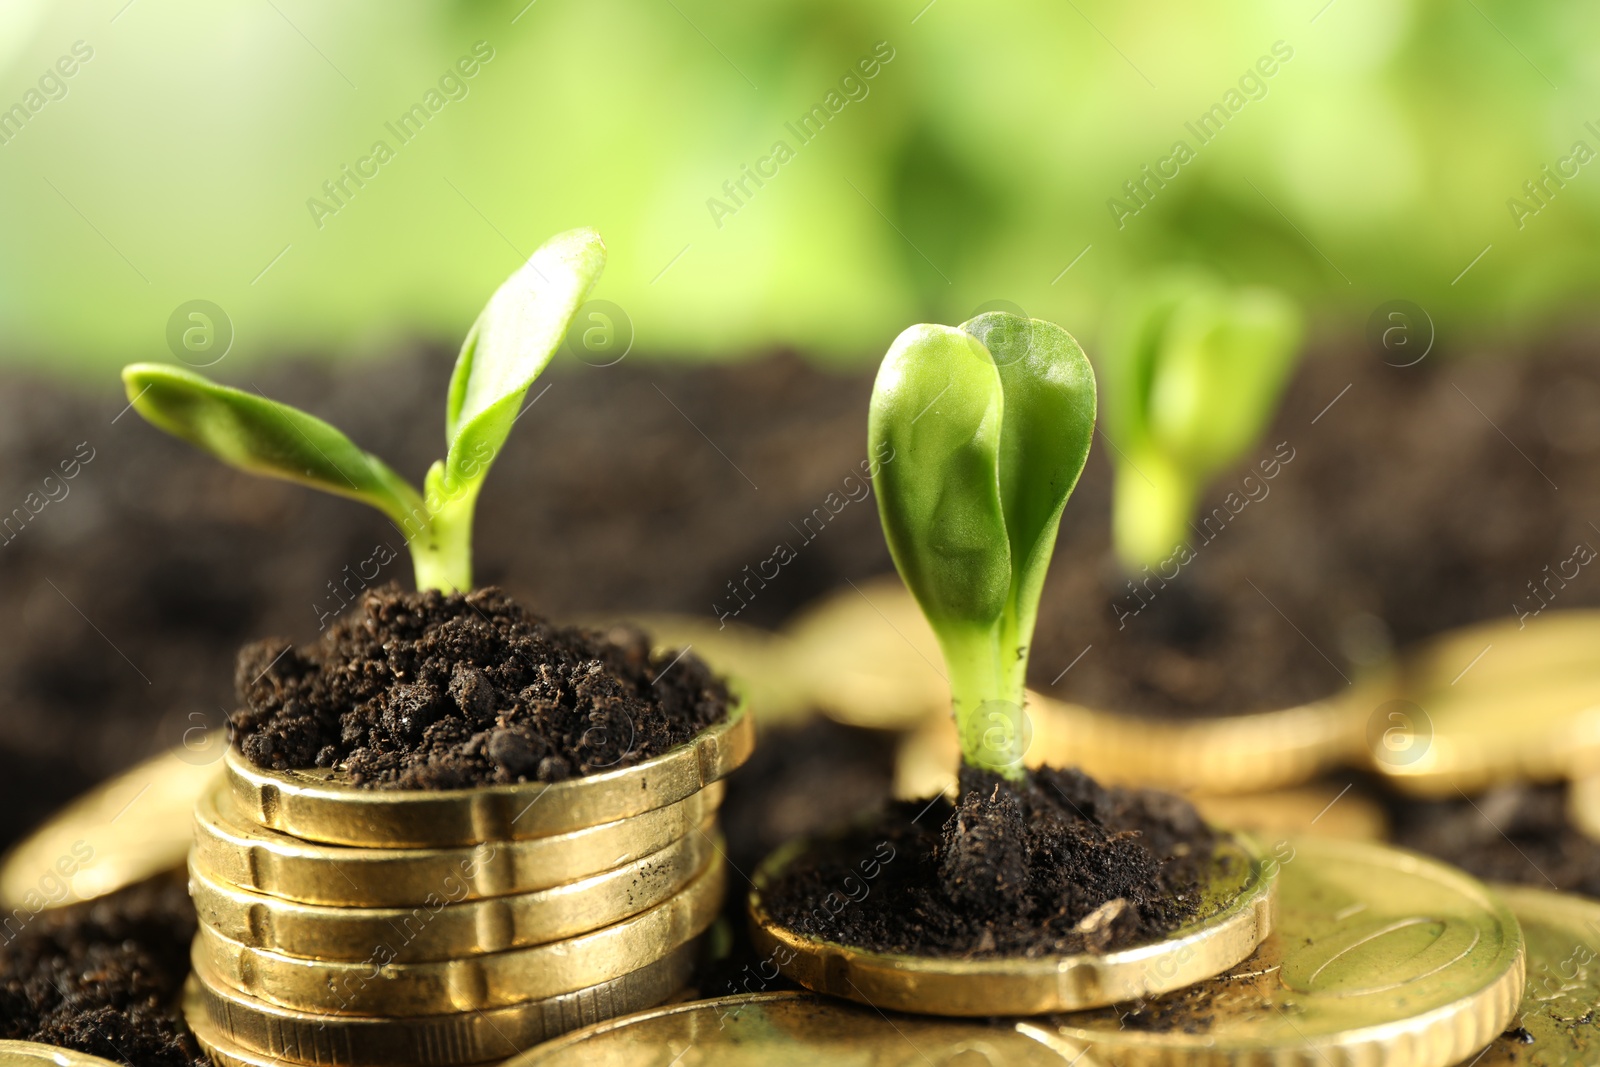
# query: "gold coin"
{"points": [[315, 805], [1249, 753], [1494, 703], [789, 1030], [123, 831], [869, 658], [34, 1054], [233, 850], [449, 929], [1556, 1026], [245, 1030], [1236, 913], [1507, 654], [378, 986], [1380, 957]]}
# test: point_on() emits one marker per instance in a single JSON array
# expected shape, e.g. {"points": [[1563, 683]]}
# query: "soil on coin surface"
{"points": [[105, 976], [1056, 866], [1518, 833], [435, 691]]}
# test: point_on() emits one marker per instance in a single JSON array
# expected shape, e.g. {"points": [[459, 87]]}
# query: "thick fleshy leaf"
{"points": [[935, 428], [1045, 436], [509, 346], [264, 437]]}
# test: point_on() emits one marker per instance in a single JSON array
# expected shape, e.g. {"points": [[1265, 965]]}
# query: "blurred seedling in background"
{"points": [[1193, 372], [508, 347], [984, 430]]}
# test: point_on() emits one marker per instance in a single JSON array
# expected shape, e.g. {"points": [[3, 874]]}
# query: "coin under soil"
{"points": [[379, 987], [1235, 914], [1322, 810], [450, 929], [1491, 704], [789, 1030], [234, 850], [1230, 754], [1556, 1026], [34, 1054], [123, 831], [316, 805], [247, 1030], [1245, 753], [1380, 957]]}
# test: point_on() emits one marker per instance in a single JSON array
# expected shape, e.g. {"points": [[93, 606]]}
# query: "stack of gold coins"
{"points": [[349, 926]]}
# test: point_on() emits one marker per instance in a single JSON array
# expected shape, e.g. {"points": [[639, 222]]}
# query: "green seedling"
{"points": [[1194, 373], [508, 347], [983, 431]]}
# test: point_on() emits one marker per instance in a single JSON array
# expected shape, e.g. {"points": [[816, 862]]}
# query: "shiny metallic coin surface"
{"points": [[1381, 958], [231, 849], [1235, 916], [379, 986], [314, 805], [450, 929], [220, 1016]]}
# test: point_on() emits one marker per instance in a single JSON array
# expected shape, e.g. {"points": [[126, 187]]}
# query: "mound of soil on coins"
{"points": [[435, 691], [1055, 866], [105, 977], [1517, 833]]}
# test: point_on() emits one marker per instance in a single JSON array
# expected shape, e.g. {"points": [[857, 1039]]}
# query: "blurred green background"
{"points": [[1383, 157]]}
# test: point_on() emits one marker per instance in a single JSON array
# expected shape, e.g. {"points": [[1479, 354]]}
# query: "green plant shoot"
{"points": [[985, 428], [508, 347], [1194, 374]]}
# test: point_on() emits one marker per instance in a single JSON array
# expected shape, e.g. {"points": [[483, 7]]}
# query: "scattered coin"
{"points": [[1235, 916], [314, 805], [378, 986], [1380, 957], [123, 831], [1506, 701], [1310, 810], [869, 658], [233, 850]]}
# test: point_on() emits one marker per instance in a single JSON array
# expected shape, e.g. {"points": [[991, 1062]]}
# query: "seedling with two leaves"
{"points": [[511, 343], [988, 426], [1194, 373]]}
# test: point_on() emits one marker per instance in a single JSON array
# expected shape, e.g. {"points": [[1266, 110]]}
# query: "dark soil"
{"points": [[1058, 866], [1516, 833], [432, 691], [105, 977]]}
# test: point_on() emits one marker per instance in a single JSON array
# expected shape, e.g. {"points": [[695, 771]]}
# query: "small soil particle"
{"points": [[1055, 866], [104, 977], [435, 691]]}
